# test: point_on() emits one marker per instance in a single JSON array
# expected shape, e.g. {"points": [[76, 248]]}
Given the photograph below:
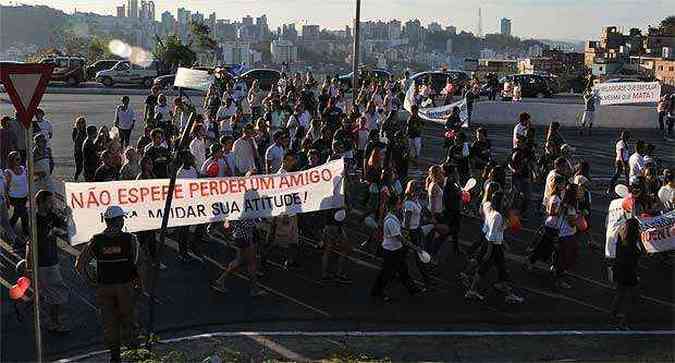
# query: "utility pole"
{"points": [[355, 55]]}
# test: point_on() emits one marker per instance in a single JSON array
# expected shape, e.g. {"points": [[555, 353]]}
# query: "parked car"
{"points": [[67, 69], [532, 85], [165, 82], [266, 78], [101, 65], [125, 72], [364, 73], [440, 78]]}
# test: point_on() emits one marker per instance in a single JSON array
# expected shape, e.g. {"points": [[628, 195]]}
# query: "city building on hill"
{"points": [[664, 71], [283, 51], [121, 11], [132, 9], [310, 32], [235, 52], [505, 27]]}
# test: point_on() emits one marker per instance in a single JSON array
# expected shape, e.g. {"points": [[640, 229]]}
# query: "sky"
{"points": [[549, 19]]}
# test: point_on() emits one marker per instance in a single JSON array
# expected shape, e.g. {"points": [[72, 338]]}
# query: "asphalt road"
{"points": [[297, 300]]}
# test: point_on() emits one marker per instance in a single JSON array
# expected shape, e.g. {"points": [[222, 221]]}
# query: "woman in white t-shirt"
{"points": [[16, 180], [394, 253], [493, 256], [412, 223], [544, 247], [568, 246]]}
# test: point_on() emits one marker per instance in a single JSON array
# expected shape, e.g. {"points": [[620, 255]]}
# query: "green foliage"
{"points": [[172, 53], [668, 25], [202, 34]]}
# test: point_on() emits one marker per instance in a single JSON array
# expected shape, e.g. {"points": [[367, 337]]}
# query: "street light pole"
{"points": [[355, 55]]}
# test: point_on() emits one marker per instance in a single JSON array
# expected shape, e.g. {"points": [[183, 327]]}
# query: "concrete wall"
{"points": [[616, 116]]}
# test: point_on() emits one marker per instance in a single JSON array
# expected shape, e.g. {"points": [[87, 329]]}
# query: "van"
{"points": [[124, 72], [67, 69]]}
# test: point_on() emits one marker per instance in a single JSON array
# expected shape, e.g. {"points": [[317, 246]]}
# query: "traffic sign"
{"points": [[25, 83]]}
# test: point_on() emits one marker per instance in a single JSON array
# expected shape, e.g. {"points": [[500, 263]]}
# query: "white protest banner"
{"points": [[435, 114], [193, 79], [627, 92], [198, 201], [658, 233]]}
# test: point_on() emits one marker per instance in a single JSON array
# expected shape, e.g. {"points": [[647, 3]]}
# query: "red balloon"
{"points": [[17, 292], [628, 203], [466, 197], [516, 226], [23, 282], [450, 134], [212, 170], [582, 223]]}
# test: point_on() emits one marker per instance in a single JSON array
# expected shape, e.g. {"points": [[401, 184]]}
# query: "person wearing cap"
{"points": [[566, 151], [275, 152], [53, 290], [117, 256]]}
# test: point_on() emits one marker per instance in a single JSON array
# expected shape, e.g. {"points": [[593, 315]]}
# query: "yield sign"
{"points": [[25, 84]]}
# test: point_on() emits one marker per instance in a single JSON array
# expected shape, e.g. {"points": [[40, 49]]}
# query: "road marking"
{"points": [[278, 348], [174, 246]]}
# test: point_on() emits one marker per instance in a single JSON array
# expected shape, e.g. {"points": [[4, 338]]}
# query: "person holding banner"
{"points": [[117, 254], [244, 235]]}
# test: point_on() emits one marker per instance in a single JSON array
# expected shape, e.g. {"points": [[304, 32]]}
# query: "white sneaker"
{"points": [[473, 295], [513, 298]]}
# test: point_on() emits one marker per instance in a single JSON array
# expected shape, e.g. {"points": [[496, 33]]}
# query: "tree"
{"points": [[668, 25], [172, 53]]}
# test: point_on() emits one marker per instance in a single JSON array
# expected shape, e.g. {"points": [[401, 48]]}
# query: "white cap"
{"points": [[340, 215], [114, 212]]}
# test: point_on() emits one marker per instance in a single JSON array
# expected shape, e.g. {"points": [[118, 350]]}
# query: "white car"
{"points": [[125, 72]]}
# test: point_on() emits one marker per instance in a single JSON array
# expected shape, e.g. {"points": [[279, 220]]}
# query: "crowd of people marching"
{"points": [[302, 122]]}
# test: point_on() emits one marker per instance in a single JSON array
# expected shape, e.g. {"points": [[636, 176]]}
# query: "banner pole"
{"points": [[34, 243], [165, 221]]}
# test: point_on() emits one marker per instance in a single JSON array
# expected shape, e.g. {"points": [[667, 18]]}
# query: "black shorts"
{"points": [[243, 242]]}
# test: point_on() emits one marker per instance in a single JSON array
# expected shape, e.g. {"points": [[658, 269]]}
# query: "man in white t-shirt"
{"points": [[42, 125], [245, 151], [275, 152], [521, 127], [636, 162], [125, 121]]}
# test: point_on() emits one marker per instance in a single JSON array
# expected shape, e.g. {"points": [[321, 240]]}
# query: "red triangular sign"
{"points": [[25, 84]]}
